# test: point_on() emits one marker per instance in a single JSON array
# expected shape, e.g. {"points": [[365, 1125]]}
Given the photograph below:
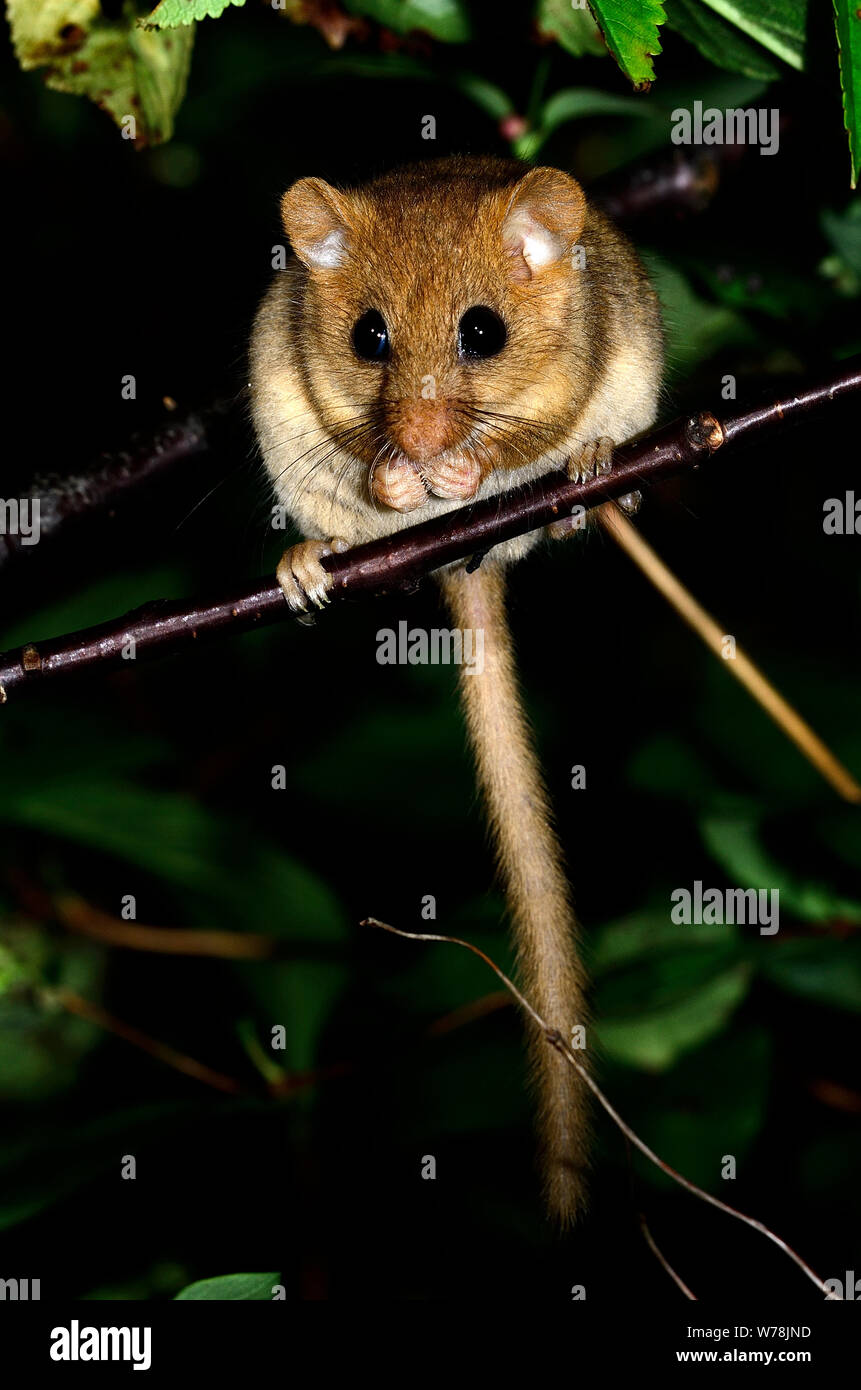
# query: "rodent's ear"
{"points": [[542, 221], [315, 219]]}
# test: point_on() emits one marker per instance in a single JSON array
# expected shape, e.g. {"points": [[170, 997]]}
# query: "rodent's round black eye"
{"points": [[371, 337], [481, 333]]}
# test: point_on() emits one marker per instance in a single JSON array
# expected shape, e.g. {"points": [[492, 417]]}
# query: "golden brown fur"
{"points": [[539, 903], [424, 244], [359, 449]]}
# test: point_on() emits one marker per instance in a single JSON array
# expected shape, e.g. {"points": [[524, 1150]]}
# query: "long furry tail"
{"points": [[530, 864]]}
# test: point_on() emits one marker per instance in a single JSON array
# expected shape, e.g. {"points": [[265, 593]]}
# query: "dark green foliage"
{"points": [[157, 781]]}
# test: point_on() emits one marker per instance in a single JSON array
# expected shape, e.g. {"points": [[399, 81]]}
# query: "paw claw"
{"points": [[591, 460], [304, 582]]}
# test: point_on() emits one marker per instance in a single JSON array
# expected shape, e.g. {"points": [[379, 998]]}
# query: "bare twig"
{"points": [[684, 182], [705, 626], [662, 1260], [115, 479], [555, 1039], [401, 560], [179, 1061]]}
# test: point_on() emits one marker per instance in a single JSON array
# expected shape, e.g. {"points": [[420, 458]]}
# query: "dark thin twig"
{"points": [[662, 1260], [401, 560], [115, 479], [554, 1037], [180, 1061], [681, 183]]}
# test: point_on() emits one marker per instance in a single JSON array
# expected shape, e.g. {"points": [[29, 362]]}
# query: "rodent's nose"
{"points": [[424, 428]]}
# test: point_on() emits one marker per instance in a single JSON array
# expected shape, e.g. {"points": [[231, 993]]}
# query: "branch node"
{"points": [[705, 431]]}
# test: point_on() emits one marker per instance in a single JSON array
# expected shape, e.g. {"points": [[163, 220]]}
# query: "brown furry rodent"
{"points": [[446, 332]]}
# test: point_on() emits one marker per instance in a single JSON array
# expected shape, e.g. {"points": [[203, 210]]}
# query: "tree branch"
{"points": [[114, 480], [401, 560], [684, 182], [555, 1039]]}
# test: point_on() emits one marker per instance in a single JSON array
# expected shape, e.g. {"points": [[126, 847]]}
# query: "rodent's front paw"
{"points": [[304, 582], [456, 478], [591, 459], [396, 483]]}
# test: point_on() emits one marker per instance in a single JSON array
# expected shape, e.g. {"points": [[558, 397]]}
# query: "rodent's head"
{"points": [[438, 325]]}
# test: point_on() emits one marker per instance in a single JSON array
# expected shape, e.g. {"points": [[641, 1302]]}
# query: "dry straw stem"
{"points": [[555, 1039], [740, 665], [82, 917]]}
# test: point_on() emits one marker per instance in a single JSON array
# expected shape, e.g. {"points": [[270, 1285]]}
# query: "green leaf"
{"points": [[824, 971], [712, 1103], [447, 20], [575, 30], [231, 872], [695, 328], [663, 988], [668, 766], [843, 231], [734, 840], [718, 40], [779, 25], [32, 1179], [487, 97], [175, 838], [236, 1287], [753, 286], [848, 24], [654, 1040], [170, 14], [127, 71], [631, 34], [643, 935], [576, 103], [300, 995], [41, 1045]]}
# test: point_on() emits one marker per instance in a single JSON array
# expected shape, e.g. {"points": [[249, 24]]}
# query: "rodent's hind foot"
{"points": [[630, 503], [304, 582]]}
